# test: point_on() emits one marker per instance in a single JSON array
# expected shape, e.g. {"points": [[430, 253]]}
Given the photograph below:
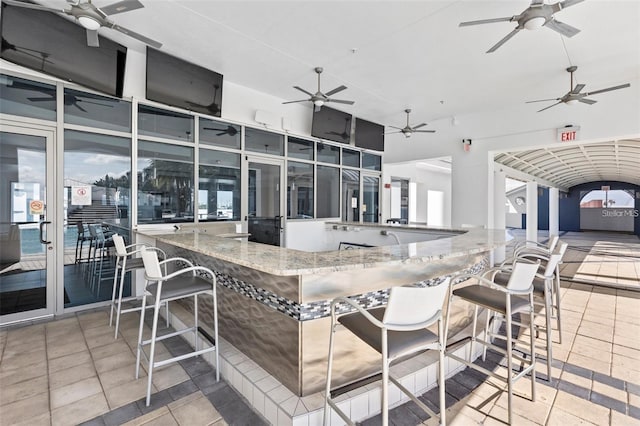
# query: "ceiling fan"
{"points": [[408, 130], [230, 130], [320, 98], [92, 18], [72, 100], [538, 14], [573, 96]]}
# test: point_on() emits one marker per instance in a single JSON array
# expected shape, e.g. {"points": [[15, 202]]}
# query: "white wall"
{"points": [[425, 179]]}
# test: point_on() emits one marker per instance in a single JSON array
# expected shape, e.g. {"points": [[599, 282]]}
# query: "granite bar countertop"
{"points": [[287, 262]]}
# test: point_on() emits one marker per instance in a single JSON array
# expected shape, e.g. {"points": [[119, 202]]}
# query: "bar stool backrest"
{"points": [[554, 259], [151, 265], [118, 242], [80, 227], [521, 279], [415, 306]]}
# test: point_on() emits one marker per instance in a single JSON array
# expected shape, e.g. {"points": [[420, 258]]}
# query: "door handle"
{"points": [[42, 224]]}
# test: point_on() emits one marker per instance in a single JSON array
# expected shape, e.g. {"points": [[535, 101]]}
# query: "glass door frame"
{"points": [[53, 255], [244, 179], [377, 175]]}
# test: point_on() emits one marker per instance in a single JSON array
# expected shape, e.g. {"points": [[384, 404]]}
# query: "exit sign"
{"points": [[569, 133]]}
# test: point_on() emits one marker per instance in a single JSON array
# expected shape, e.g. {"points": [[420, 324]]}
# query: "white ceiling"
{"points": [[398, 54], [408, 53]]}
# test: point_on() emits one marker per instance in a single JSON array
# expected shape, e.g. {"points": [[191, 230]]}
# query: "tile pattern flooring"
{"points": [[71, 371]]}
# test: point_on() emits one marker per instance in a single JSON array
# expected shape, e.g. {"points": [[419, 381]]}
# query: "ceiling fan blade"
{"points": [[213, 128], [42, 99], [121, 7], [419, 125], [543, 100], [562, 28], [92, 38], [486, 21], [303, 91], [503, 41], [550, 106], [390, 133], [423, 131], [137, 36], [394, 127], [608, 89], [336, 90], [79, 107], [567, 3], [293, 102], [577, 89], [340, 101], [587, 101], [33, 6]]}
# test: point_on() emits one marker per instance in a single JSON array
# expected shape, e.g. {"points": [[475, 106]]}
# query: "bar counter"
{"points": [[274, 302]]}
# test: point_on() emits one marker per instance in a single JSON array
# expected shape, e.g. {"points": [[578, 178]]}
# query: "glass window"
{"points": [[220, 134], [370, 199], [328, 153], [86, 109], [27, 98], [165, 183], [164, 124], [350, 158], [350, 195], [371, 161], [299, 190], [219, 189], [264, 142], [328, 192], [300, 148]]}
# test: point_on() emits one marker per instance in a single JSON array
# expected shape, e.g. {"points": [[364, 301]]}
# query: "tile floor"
{"points": [[73, 371]]}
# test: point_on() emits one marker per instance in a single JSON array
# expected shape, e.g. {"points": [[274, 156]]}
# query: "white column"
{"points": [[499, 211], [532, 211], [554, 211]]}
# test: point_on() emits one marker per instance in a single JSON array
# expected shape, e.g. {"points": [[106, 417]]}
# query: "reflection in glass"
{"points": [[165, 183], [328, 195], [97, 183], [328, 153], [299, 190], [165, 124], [263, 142], [370, 199], [265, 220], [219, 191], [27, 98], [300, 148], [371, 161], [220, 134], [350, 195], [350, 158], [86, 109]]}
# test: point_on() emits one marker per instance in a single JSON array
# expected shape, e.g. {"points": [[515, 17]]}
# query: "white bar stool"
{"points": [[515, 297], [164, 288], [125, 263], [395, 331]]}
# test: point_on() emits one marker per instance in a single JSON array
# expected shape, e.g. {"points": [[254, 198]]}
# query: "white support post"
{"points": [[532, 211], [499, 211], [554, 212]]}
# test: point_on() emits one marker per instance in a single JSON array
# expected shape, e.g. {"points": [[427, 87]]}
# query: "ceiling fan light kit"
{"points": [[93, 18], [319, 98]]}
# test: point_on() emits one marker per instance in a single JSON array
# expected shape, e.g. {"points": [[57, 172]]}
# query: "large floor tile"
{"points": [[25, 409], [80, 410], [74, 392]]}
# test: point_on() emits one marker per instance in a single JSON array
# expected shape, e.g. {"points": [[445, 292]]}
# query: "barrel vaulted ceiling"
{"points": [[567, 166]]}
